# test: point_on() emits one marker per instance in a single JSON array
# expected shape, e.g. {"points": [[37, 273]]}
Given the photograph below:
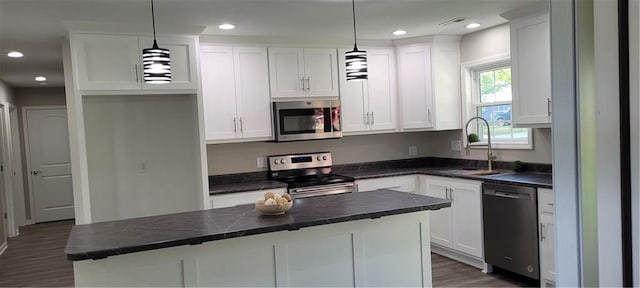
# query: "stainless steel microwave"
{"points": [[307, 120]]}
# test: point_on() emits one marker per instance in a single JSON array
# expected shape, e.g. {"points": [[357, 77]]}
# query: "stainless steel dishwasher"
{"points": [[510, 224]]}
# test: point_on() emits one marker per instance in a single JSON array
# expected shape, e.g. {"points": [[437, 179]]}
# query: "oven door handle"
{"points": [[324, 189]]}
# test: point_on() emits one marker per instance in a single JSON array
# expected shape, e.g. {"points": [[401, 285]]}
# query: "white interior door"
{"points": [[50, 177]]}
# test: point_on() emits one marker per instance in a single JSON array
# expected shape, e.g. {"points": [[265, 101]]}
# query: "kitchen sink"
{"points": [[484, 172]]}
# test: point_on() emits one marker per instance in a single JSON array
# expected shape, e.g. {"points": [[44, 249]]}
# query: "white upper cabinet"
{"points": [[107, 62], [298, 72], [416, 90], [114, 62], [369, 106], [531, 71], [429, 76], [235, 87]]}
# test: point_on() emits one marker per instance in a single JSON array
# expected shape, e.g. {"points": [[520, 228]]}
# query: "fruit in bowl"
{"points": [[273, 204]]}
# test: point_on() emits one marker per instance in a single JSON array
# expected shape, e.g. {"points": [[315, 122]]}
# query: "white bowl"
{"points": [[277, 209]]}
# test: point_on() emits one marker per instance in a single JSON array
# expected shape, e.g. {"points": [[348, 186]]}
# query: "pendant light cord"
{"points": [[153, 21], [355, 46]]}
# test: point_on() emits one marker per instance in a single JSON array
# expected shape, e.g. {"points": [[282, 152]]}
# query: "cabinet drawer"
{"points": [[401, 183], [545, 200]]}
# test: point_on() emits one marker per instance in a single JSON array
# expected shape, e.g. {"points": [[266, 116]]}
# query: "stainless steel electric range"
{"points": [[309, 175]]}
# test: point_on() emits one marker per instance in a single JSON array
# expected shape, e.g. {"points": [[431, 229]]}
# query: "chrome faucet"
{"points": [[490, 156]]}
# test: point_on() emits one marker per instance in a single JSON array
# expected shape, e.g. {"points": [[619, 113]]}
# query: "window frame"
{"points": [[471, 101]]}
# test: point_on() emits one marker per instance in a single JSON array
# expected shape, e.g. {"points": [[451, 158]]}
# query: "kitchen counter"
{"points": [[529, 179], [101, 240]]}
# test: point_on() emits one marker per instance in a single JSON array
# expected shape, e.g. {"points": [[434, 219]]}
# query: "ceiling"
{"points": [[35, 27]]}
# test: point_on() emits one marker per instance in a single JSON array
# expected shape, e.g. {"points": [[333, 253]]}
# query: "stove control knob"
{"points": [[282, 161], [319, 158], [324, 158], [275, 162]]}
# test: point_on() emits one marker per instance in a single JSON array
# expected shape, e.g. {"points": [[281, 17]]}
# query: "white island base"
{"points": [[384, 252]]}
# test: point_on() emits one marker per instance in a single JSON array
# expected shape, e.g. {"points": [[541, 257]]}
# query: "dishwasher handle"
{"points": [[506, 195]]}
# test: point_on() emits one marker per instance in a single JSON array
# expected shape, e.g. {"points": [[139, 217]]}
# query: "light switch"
{"points": [[413, 150], [261, 162]]}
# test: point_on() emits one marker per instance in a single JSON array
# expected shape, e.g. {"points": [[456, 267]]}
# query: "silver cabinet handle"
{"points": [[302, 80], [549, 106], [451, 193], [446, 193], [373, 119], [135, 72], [542, 232], [235, 128], [366, 118], [308, 83], [241, 125], [429, 115]]}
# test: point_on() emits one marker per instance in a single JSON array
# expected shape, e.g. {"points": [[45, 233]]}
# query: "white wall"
{"points": [[140, 155], [608, 143], [634, 79]]}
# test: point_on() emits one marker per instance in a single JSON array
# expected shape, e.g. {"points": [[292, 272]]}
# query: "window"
{"points": [[491, 100]]}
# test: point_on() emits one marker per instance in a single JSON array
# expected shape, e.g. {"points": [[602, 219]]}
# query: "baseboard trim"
{"points": [[30, 222], [3, 247], [457, 256]]}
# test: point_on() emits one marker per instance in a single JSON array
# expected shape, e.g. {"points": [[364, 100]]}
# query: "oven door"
{"points": [[307, 120]]}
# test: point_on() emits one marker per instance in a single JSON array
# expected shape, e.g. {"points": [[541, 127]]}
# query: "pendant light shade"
{"points": [[155, 60], [356, 60]]}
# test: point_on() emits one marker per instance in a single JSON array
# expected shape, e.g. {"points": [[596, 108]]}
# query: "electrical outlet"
{"points": [[413, 151], [261, 162], [456, 145]]}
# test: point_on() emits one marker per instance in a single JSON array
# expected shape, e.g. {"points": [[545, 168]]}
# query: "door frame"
{"points": [[27, 151]]}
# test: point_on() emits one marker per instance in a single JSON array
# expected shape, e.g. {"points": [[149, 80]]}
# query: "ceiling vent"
{"points": [[453, 21]]}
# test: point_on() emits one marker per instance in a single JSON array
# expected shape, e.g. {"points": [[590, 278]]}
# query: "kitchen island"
{"points": [[379, 238]]}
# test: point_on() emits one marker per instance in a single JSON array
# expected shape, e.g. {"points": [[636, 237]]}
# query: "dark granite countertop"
{"points": [[101, 240], [531, 179], [539, 176]]}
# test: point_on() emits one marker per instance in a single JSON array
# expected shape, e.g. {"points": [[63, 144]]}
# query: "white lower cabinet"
{"points": [[398, 183], [546, 238], [458, 228], [233, 199]]}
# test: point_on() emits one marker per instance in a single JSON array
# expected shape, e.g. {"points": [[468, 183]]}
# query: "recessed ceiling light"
{"points": [[472, 25], [41, 78], [226, 26], [15, 54], [399, 32]]}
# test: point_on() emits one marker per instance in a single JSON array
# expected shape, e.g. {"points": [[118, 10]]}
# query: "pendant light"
{"points": [[356, 60], [155, 60]]}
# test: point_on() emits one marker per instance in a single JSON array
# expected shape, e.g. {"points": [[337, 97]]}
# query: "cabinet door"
{"points": [[352, 101], [107, 62], [467, 217], [252, 92], [415, 86], [547, 249], [531, 70], [184, 71], [219, 93], [382, 89], [440, 221], [321, 70], [286, 72]]}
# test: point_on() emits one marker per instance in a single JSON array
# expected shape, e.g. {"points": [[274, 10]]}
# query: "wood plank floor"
{"points": [[36, 259]]}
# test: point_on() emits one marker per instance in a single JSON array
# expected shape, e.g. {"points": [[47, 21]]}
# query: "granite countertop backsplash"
{"points": [[101, 240], [536, 175]]}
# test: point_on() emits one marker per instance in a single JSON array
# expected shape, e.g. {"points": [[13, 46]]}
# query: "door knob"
{"points": [[36, 172]]}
